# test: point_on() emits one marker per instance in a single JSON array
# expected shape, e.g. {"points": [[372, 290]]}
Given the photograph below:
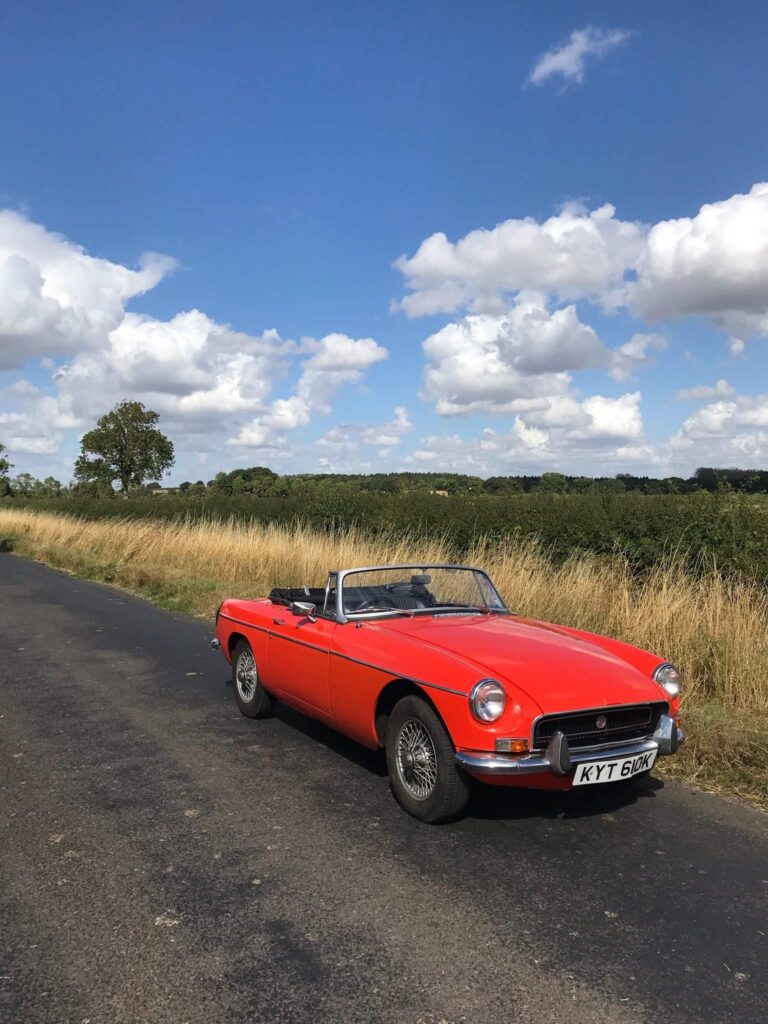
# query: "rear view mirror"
{"points": [[304, 608]]}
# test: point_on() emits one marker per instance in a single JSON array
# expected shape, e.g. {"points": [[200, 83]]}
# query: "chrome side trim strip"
{"points": [[242, 622], [399, 675], [345, 657]]}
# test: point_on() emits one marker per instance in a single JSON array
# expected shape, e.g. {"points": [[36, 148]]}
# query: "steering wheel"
{"points": [[377, 602]]}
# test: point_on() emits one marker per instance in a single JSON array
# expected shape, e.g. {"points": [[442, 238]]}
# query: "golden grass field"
{"points": [[714, 629]]}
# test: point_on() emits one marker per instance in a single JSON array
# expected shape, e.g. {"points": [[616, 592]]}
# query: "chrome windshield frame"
{"points": [[341, 575]]}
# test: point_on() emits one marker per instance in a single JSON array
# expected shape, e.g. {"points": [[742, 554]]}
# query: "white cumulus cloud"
{"points": [[492, 363], [725, 432], [701, 392], [584, 436], [714, 264], [208, 381], [575, 253], [340, 442], [55, 299], [611, 417], [635, 353], [567, 59], [335, 360]]}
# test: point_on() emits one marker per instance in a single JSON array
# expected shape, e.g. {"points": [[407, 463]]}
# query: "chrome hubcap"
{"points": [[415, 759], [246, 676]]}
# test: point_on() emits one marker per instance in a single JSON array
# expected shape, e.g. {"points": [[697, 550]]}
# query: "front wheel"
{"points": [[252, 699], [423, 774]]}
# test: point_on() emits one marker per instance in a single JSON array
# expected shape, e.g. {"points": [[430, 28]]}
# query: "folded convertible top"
{"points": [[284, 595]]}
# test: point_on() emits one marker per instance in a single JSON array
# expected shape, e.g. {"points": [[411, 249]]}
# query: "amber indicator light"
{"points": [[511, 746]]}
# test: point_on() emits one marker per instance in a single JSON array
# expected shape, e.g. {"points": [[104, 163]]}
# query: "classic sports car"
{"points": [[427, 662]]}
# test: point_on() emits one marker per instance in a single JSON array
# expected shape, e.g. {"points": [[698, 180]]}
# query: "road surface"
{"points": [[164, 859]]}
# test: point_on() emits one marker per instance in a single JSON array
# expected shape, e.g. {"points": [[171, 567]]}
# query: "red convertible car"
{"points": [[427, 662]]}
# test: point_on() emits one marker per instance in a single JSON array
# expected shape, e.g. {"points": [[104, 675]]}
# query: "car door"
{"points": [[298, 658]]}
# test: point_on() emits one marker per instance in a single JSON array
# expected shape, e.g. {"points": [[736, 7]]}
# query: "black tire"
{"points": [[445, 788], [252, 699]]}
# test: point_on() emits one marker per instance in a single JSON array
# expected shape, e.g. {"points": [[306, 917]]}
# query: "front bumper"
{"points": [[559, 759]]}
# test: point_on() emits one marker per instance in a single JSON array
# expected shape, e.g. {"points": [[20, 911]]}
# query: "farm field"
{"points": [[713, 625], [727, 530]]}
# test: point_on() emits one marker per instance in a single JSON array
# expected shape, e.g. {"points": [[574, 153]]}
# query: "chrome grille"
{"points": [[630, 722]]}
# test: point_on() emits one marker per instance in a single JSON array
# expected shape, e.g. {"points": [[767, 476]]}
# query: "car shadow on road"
{"points": [[489, 802], [495, 802], [372, 760]]}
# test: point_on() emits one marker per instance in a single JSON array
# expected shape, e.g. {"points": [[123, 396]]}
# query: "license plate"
{"points": [[613, 771]]}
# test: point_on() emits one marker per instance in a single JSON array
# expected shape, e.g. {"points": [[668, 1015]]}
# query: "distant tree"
{"points": [[503, 485], [5, 468], [92, 488], [184, 487], [553, 483], [23, 484], [221, 483], [708, 479], [5, 465], [677, 485], [262, 480], [197, 488], [48, 488], [610, 485], [52, 487], [125, 446]]}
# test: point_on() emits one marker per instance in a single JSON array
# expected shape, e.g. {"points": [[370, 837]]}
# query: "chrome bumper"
{"points": [[559, 759]]}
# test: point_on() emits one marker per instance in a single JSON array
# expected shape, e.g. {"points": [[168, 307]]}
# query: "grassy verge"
{"points": [[715, 628]]}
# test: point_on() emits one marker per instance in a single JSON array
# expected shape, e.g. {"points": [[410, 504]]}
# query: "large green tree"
{"points": [[125, 446]]}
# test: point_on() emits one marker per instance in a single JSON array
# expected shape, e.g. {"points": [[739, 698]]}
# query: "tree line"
{"points": [[127, 454]]}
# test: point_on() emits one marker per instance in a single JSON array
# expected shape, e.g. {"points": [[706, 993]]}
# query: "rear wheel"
{"points": [[252, 699], [423, 774]]}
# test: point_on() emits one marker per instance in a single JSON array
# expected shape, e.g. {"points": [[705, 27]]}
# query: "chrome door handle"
{"points": [[279, 622]]}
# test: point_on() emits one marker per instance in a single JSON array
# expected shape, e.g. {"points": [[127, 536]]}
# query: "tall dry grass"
{"points": [[715, 629]]}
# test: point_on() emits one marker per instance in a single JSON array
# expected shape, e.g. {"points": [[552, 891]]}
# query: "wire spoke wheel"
{"points": [[415, 759], [246, 676]]}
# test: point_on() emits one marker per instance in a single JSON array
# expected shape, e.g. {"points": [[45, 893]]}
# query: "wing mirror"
{"points": [[304, 608]]}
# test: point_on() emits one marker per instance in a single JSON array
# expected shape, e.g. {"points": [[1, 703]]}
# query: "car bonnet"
{"points": [[558, 671]]}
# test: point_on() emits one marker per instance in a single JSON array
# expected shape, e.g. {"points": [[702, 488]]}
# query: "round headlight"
{"points": [[488, 700], [668, 678]]}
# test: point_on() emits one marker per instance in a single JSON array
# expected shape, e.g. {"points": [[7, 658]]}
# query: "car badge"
{"points": [[601, 722]]}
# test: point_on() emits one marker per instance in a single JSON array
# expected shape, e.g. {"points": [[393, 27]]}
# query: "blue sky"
{"points": [[285, 156]]}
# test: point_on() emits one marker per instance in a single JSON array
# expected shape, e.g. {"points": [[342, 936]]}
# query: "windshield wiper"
{"points": [[479, 609], [389, 611]]}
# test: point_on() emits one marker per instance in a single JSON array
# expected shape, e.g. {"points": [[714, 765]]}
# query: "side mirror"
{"points": [[304, 608]]}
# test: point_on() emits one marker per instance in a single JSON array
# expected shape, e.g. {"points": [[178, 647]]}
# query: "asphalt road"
{"points": [[164, 859]]}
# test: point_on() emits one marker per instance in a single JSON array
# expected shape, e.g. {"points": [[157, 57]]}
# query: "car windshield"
{"points": [[413, 589]]}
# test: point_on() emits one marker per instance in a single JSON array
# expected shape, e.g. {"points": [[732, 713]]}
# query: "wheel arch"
{"points": [[233, 640], [393, 692]]}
